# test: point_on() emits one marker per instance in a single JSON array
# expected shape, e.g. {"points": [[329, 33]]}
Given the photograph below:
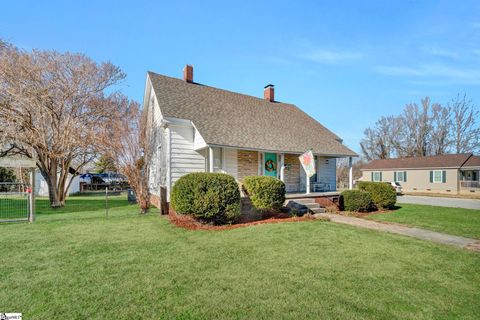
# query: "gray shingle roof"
{"points": [[231, 119]]}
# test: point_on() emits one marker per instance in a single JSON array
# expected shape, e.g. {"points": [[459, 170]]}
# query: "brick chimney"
{"points": [[269, 92], [188, 73]]}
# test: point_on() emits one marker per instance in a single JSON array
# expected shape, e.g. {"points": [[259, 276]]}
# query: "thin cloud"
{"points": [[434, 72], [475, 24], [476, 52], [441, 53], [331, 57]]}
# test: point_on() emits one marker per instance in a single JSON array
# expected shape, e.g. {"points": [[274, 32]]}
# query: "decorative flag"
{"points": [[308, 162]]}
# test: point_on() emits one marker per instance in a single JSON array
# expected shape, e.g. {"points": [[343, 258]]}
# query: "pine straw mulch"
{"points": [[189, 223]]}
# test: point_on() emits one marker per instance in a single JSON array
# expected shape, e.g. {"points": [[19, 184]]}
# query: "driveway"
{"points": [[440, 201]]}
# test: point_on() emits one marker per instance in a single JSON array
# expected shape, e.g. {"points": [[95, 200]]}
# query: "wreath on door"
{"points": [[270, 165]]}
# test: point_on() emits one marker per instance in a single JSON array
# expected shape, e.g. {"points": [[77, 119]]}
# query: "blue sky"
{"points": [[346, 63]]}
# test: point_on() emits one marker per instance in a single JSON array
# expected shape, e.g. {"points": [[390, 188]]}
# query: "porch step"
{"points": [[307, 205], [318, 210]]}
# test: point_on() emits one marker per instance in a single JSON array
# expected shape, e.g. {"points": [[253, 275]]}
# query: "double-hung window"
{"points": [[376, 176], [437, 176], [400, 176], [217, 160]]}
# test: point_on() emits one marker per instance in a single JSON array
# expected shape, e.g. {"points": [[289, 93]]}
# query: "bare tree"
{"points": [[441, 126], [465, 133], [377, 143], [129, 146], [422, 130], [52, 107]]}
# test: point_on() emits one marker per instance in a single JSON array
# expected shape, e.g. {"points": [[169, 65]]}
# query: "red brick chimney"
{"points": [[188, 73], [269, 92]]}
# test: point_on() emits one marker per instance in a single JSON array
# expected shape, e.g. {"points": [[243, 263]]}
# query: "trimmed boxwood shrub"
{"points": [[266, 193], [356, 200], [383, 194], [209, 197]]}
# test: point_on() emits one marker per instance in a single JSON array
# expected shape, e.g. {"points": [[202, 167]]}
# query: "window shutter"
{"points": [[372, 176], [404, 176], [380, 175], [444, 176], [431, 176], [395, 176]]}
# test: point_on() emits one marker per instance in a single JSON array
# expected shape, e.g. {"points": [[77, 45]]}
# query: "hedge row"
{"points": [[356, 200], [383, 194]]}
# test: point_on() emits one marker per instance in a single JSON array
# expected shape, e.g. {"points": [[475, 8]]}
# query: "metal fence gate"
{"points": [[15, 202]]}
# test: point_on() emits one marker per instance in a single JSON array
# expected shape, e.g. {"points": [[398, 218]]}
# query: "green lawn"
{"points": [[83, 265], [456, 221]]}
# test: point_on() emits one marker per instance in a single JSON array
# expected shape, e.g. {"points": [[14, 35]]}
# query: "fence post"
{"points": [[163, 201], [106, 202], [31, 214]]}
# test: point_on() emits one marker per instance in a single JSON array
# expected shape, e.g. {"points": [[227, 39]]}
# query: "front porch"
{"points": [[241, 163], [470, 180]]}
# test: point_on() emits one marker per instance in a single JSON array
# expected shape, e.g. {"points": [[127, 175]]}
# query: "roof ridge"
{"points": [[220, 89]]}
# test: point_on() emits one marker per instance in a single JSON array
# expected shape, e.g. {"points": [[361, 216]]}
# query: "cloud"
{"points": [[435, 72], [475, 24], [441, 53], [476, 52], [330, 56]]}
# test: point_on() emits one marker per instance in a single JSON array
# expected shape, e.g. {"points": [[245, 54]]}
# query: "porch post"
{"points": [[282, 167], [210, 159], [350, 173]]}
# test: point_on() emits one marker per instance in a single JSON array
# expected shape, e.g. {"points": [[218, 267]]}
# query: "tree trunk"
{"points": [[53, 196]]}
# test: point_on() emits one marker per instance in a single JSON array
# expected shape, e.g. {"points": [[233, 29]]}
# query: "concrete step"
{"points": [[303, 200], [318, 210], [312, 205]]}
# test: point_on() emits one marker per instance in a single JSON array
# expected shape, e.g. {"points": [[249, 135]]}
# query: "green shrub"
{"points": [[266, 193], [383, 194], [356, 200], [209, 197]]}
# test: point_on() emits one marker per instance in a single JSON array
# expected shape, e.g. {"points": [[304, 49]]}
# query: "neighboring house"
{"points": [[449, 173], [41, 186], [197, 128]]}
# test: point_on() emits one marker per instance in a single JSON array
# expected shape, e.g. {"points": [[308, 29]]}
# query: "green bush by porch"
{"points": [[383, 194], [209, 197], [356, 200], [266, 193]]}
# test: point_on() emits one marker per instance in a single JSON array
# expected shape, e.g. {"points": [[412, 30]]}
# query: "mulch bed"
{"points": [[187, 222]]}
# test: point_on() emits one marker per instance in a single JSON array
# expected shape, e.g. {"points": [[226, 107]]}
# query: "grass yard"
{"points": [[83, 265], [456, 221]]}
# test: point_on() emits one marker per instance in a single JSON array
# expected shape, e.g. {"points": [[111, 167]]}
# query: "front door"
{"points": [[270, 165]]}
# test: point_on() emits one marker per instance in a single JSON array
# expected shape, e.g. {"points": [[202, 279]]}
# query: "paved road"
{"points": [[440, 201]]}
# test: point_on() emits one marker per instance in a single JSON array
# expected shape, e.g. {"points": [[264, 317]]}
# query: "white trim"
{"points": [[169, 162], [350, 173]]}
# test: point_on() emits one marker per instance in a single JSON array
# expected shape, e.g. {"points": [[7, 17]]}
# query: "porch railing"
{"points": [[470, 184]]}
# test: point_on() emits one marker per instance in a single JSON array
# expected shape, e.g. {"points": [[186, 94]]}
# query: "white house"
{"points": [[198, 128], [41, 186]]}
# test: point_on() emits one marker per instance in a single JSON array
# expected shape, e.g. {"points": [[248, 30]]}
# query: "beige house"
{"points": [[450, 173], [198, 128]]}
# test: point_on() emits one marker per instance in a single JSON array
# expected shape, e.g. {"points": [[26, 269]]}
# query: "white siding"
{"points": [[230, 162], [183, 159], [327, 171]]}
